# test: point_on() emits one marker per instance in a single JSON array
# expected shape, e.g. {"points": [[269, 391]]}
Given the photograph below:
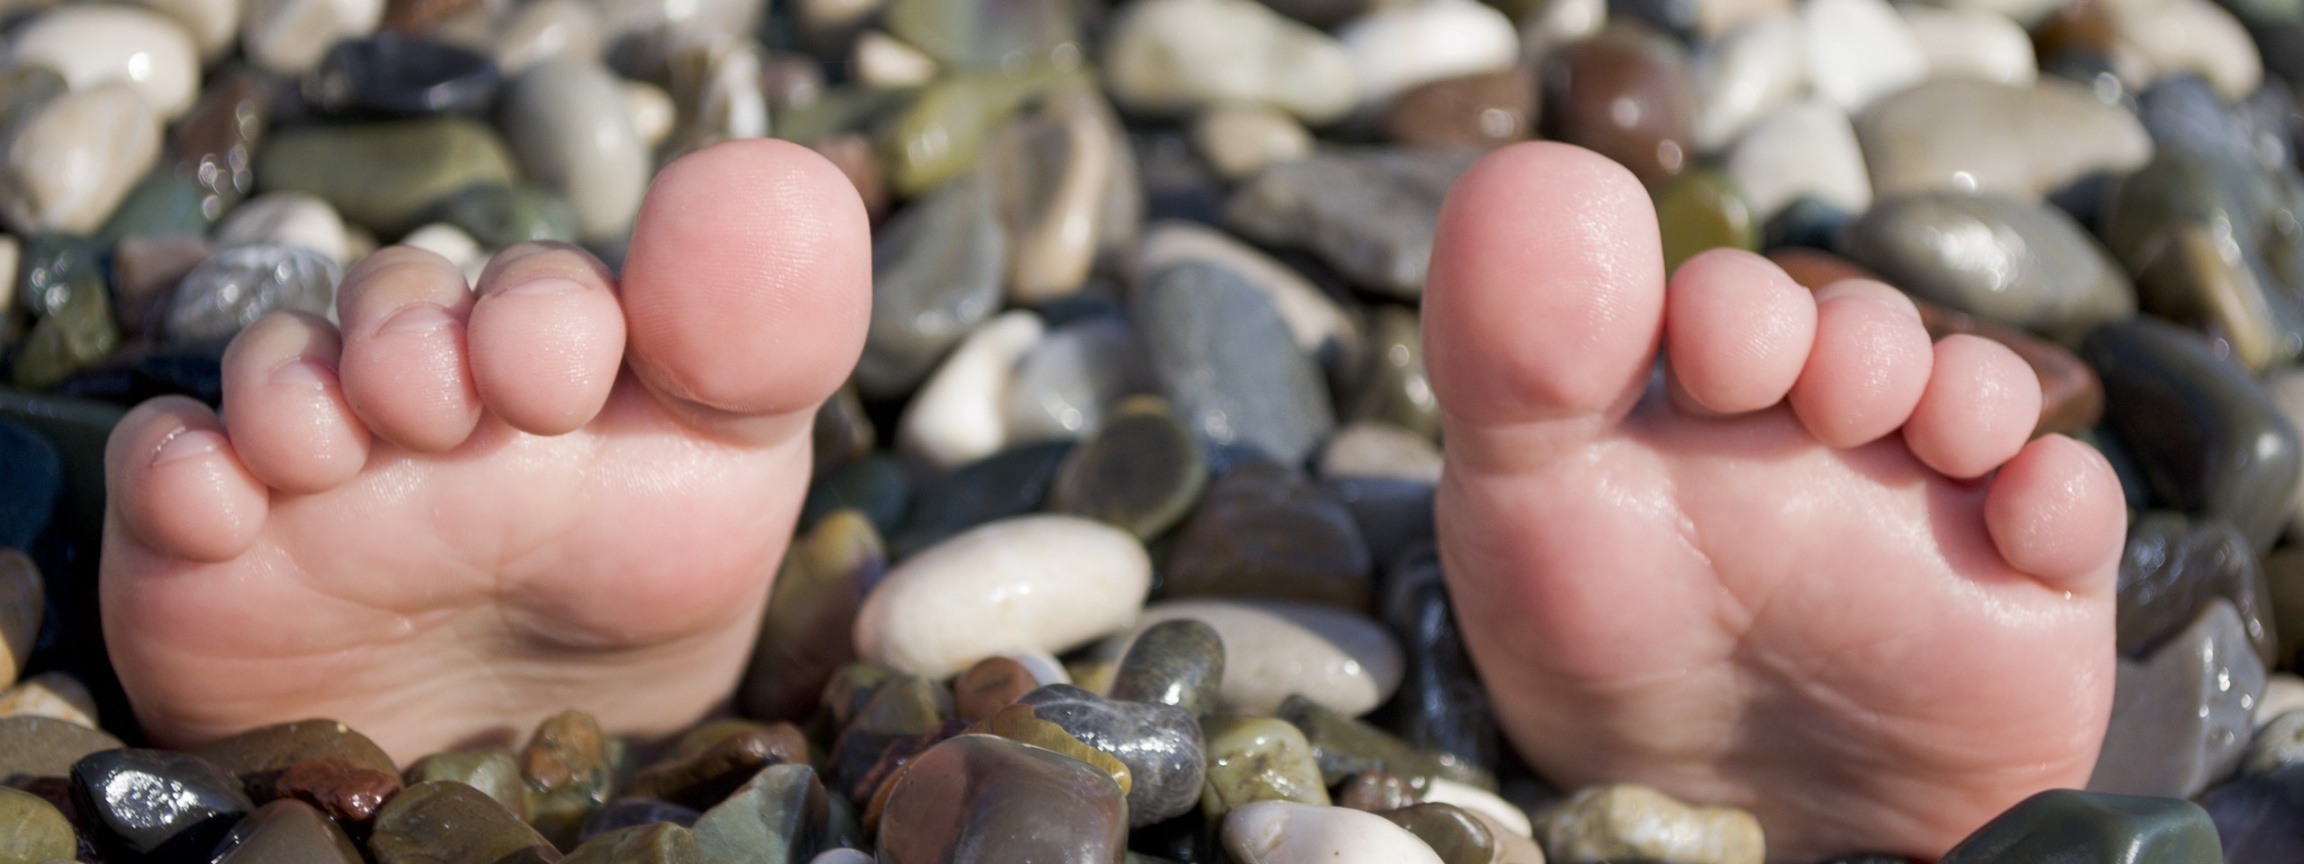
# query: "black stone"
{"points": [[1394, 514], [874, 486], [2173, 566], [1141, 471], [1012, 482], [1160, 744], [34, 477], [1179, 663], [2260, 819], [401, 76], [2093, 827], [1441, 706], [156, 805]]}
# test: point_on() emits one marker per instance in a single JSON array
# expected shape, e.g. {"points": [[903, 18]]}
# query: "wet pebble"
{"points": [[566, 121], [937, 269], [50, 694], [259, 756], [1052, 582], [1399, 47], [1702, 210], [288, 218], [1318, 324], [1052, 170], [1485, 110], [1067, 383], [1441, 706], [1971, 42], [1266, 531], [348, 793], [155, 805], [1805, 150], [1160, 744], [782, 814], [2025, 265], [989, 686], [569, 764], [1969, 135], [32, 830], [959, 415], [236, 286], [1141, 471], [1629, 94], [450, 821], [37, 747], [2180, 717], [1179, 662], [1176, 55], [1253, 758], [405, 167], [980, 798], [1745, 76], [1273, 649], [1454, 834], [1013, 482], [70, 161], [808, 630], [94, 45], [1239, 139], [1859, 51], [714, 760], [283, 832], [495, 771], [1368, 214], [2091, 826], [1627, 821], [657, 843], [394, 75], [2173, 566], [1206, 330]]}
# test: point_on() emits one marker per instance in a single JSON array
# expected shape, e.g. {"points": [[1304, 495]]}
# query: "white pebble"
{"points": [[1805, 149], [1285, 832], [294, 218], [1272, 649], [72, 160], [1369, 449], [450, 242], [651, 110], [882, 60], [1179, 55], [1859, 51], [290, 36], [2282, 693], [1041, 583], [93, 45], [841, 855], [1481, 801], [1744, 76], [1400, 46], [1561, 22], [566, 120], [54, 695], [2176, 36], [1240, 139], [1972, 42], [960, 415], [1045, 668], [540, 30]]}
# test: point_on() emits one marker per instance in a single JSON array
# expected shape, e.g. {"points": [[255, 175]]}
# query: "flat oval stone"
{"points": [[155, 804], [565, 118], [1010, 483], [283, 832], [657, 843], [1207, 332], [258, 756], [1169, 56], [37, 747], [1456, 835], [1253, 759], [449, 821], [2173, 566], [72, 160], [495, 771], [1747, 75], [289, 218], [2207, 438], [401, 76], [959, 416], [236, 286], [1486, 110], [290, 36], [33, 830], [942, 133], [1627, 821], [1805, 150], [1286, 832], [1397, 48], [1970, 135], [783, 814], [1141, 471], [1628, 94], [979, 798], [807, 633], [23, 596], [1052, 583], [1317, 322], [2092, 826], [93, 45], [1265, 531], [2180, 718], [1178, 662], [2024, 265], [1860, 51], [1069, 380], [1160, 745], [1368, 213], [936, 274], [405, 166], [1273, 649]]}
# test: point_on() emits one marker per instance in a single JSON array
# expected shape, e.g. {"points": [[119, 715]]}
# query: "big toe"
{"points": [[747, 287], [1544, 301]]}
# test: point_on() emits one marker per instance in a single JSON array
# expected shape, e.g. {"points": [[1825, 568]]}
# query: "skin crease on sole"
{"points": [[1819, 572]]}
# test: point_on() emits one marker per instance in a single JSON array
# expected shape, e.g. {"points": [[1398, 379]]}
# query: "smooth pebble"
{"points": [[1033, 583]]}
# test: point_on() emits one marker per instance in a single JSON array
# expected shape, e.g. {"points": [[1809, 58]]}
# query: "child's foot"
{"points": [[471, 510], [1737, 582]]}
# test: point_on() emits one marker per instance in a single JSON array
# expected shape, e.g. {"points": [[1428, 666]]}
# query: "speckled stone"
{"points": [[1632, 822], [147, 805], [570, 765], [980, 798], [283, 832], [2090, 826], [1265, 531], [449, 821], [1369, 214], [806, 634], [1490, 109], [1254, 759]]}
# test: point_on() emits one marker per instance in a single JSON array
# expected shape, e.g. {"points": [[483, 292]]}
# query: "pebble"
{"points": [[2025, 265], [2189, 36], [1391, 386], [1859, 51], [716, 84], [1398, 47], [1285, 832], [653, 113], [979, 798], [63, 286], [393, 75], [288, 37], [1265, 531], [881, 60], [215, 143], [291, 218], [1072, 378], [1628, 93], [1179, 663], [236, 286], [569, 764], [452, 243], [1441, 706], [1274, 649], [1317, 323], [143, 805], [2180, 718], [282, 832], [899, 715], [1479, 111], [1969, 135], [1238, 139], [1629, 821], [873, 486], [1453, 833], [450, 821], [1369, 214], [1701, 210], [538, 31], [1378, 791], [989, 34], [937, 270], [1033, 583], [2208, 439], [94, 45], [566, 120], [1141, 471], [807, 632], [1052, 169], [1745, 76], [2278, 741], [1805, 150], [1018, 722], [714, 760], [405, 167], [348, 793], [1252, 759], [1344, 747], [2092, 826], [959, 415], [35, 747], [259, 756], [495, 771], [1174, 56], [2173, 566], [630, 812], [1013, 482], [990, 685], [657, 843], [23, 596], [70, 161], [1160, 745], [33, 830], [2259, 819], [50, 694], [163, 203], [1207, 332], [1493, 810], [782, 814], [1971, 42], [842, 856], [214, 25]]}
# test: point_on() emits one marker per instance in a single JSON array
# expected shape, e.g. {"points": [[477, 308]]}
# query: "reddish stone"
{"points": [[1476, 111], [349, 793], [1627, 93], [990, 685]]}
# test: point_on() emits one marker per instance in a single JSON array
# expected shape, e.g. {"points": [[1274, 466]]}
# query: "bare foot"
{"points": [[468, 509], [1738, 582]]}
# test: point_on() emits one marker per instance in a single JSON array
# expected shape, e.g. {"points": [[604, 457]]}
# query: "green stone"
{"points": [[838, 111], [906, 707], [1141, 472], [495, 771], [258, 756], [783, 816], [1257, 759], [874, 486], [74, 331], [851, 688], [384, 175], [1702, 210], [1390, 385], [657, 843], [807, 634], [440, 821], [33, 747], [2070, 825], [33, 830], [501, 215], [938, 136], [164, 203], [989, 34], [1449, 830], [1178, 663], [1343, 746], [569, 764]]}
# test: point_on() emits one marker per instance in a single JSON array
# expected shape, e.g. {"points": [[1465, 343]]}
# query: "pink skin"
{"points": [[1745, 587], [465, 512]]}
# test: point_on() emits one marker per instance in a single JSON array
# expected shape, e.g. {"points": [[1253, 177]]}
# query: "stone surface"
{"points": [[2024, 265], [1502, 817], [811, 618], [2206, 438], [236, 286], [569, 764], [1702, 210], [2276, 744], [1141, 471], [1401, 46], [1013, 482], [1238, 139], [940, 135], [1973, 43], [2173, 566], [2210, 237], [1160, 745], [1745, 76], [1019, 722], [1859, 51], [1036, 583], [988, 34], [1390, 384], [407, 166], [1253, 759], [2180, 718], [214, 25], [873, 486], [449, 821], [783, 814], [1441, 706], [989, 686], [36, 747], [1170, 56], [2090, 826], [714, 760], [70, 161], [2174, 37], [1969, 135], [1051, 170], [1380, 450], [1072, 378], [1265, 531], [632, 812], [1344, 747], [1285, 832], [565, 118], [393, 75], [1626, 821], [143, 805], [1275, 649], [1484, 110], [347, 793], [1803, 150], [495, 771], [94, 45], [658, 843], [1317, 322], [290, 36], [23, 596], [1368, 214], [2259, 819], [291, 218], [979, 798], [959, 415], [539, 31], [1207, 333], [1629, 94], [936, 274], [1177, 662], [32, 830], [259, 756], [285, 831], [1453, 833], [63, 288]]}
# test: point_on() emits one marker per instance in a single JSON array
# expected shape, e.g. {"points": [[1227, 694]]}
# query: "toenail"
{"points": [[184, 443], [543, 285], [302, 373], [417, 318]]}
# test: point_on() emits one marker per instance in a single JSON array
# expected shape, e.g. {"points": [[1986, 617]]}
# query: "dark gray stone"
{"points": [[1160, 744]]}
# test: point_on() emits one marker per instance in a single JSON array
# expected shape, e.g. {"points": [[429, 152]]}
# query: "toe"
{"points": [[1868, 367], [176, 484], [1544, 300], [747, 289], [289, 419], [1737, 330], [1980, 405], [2055, 512], [546, 337], [405, 370]]}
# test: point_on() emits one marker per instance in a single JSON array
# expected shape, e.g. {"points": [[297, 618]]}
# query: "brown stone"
{"points": [[1487, 110], [349, 793], [1377, 792], [259, 756], [852, 154], [1627, 93], [417, 16], [701, 779], [988, 686], [145, 268], [1264, 531], [215, 143], [1021, 723]]}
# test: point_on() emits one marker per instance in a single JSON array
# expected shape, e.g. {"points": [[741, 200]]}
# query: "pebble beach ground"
{"points": [[1145, 297]]}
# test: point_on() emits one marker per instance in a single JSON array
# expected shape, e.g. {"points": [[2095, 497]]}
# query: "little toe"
{"points": [[288, 415], [405, 370], [747, 288], [546, 337], [1980, 406], [176, 484], [1869, 365], [1737, 331], [2055, 511]]}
